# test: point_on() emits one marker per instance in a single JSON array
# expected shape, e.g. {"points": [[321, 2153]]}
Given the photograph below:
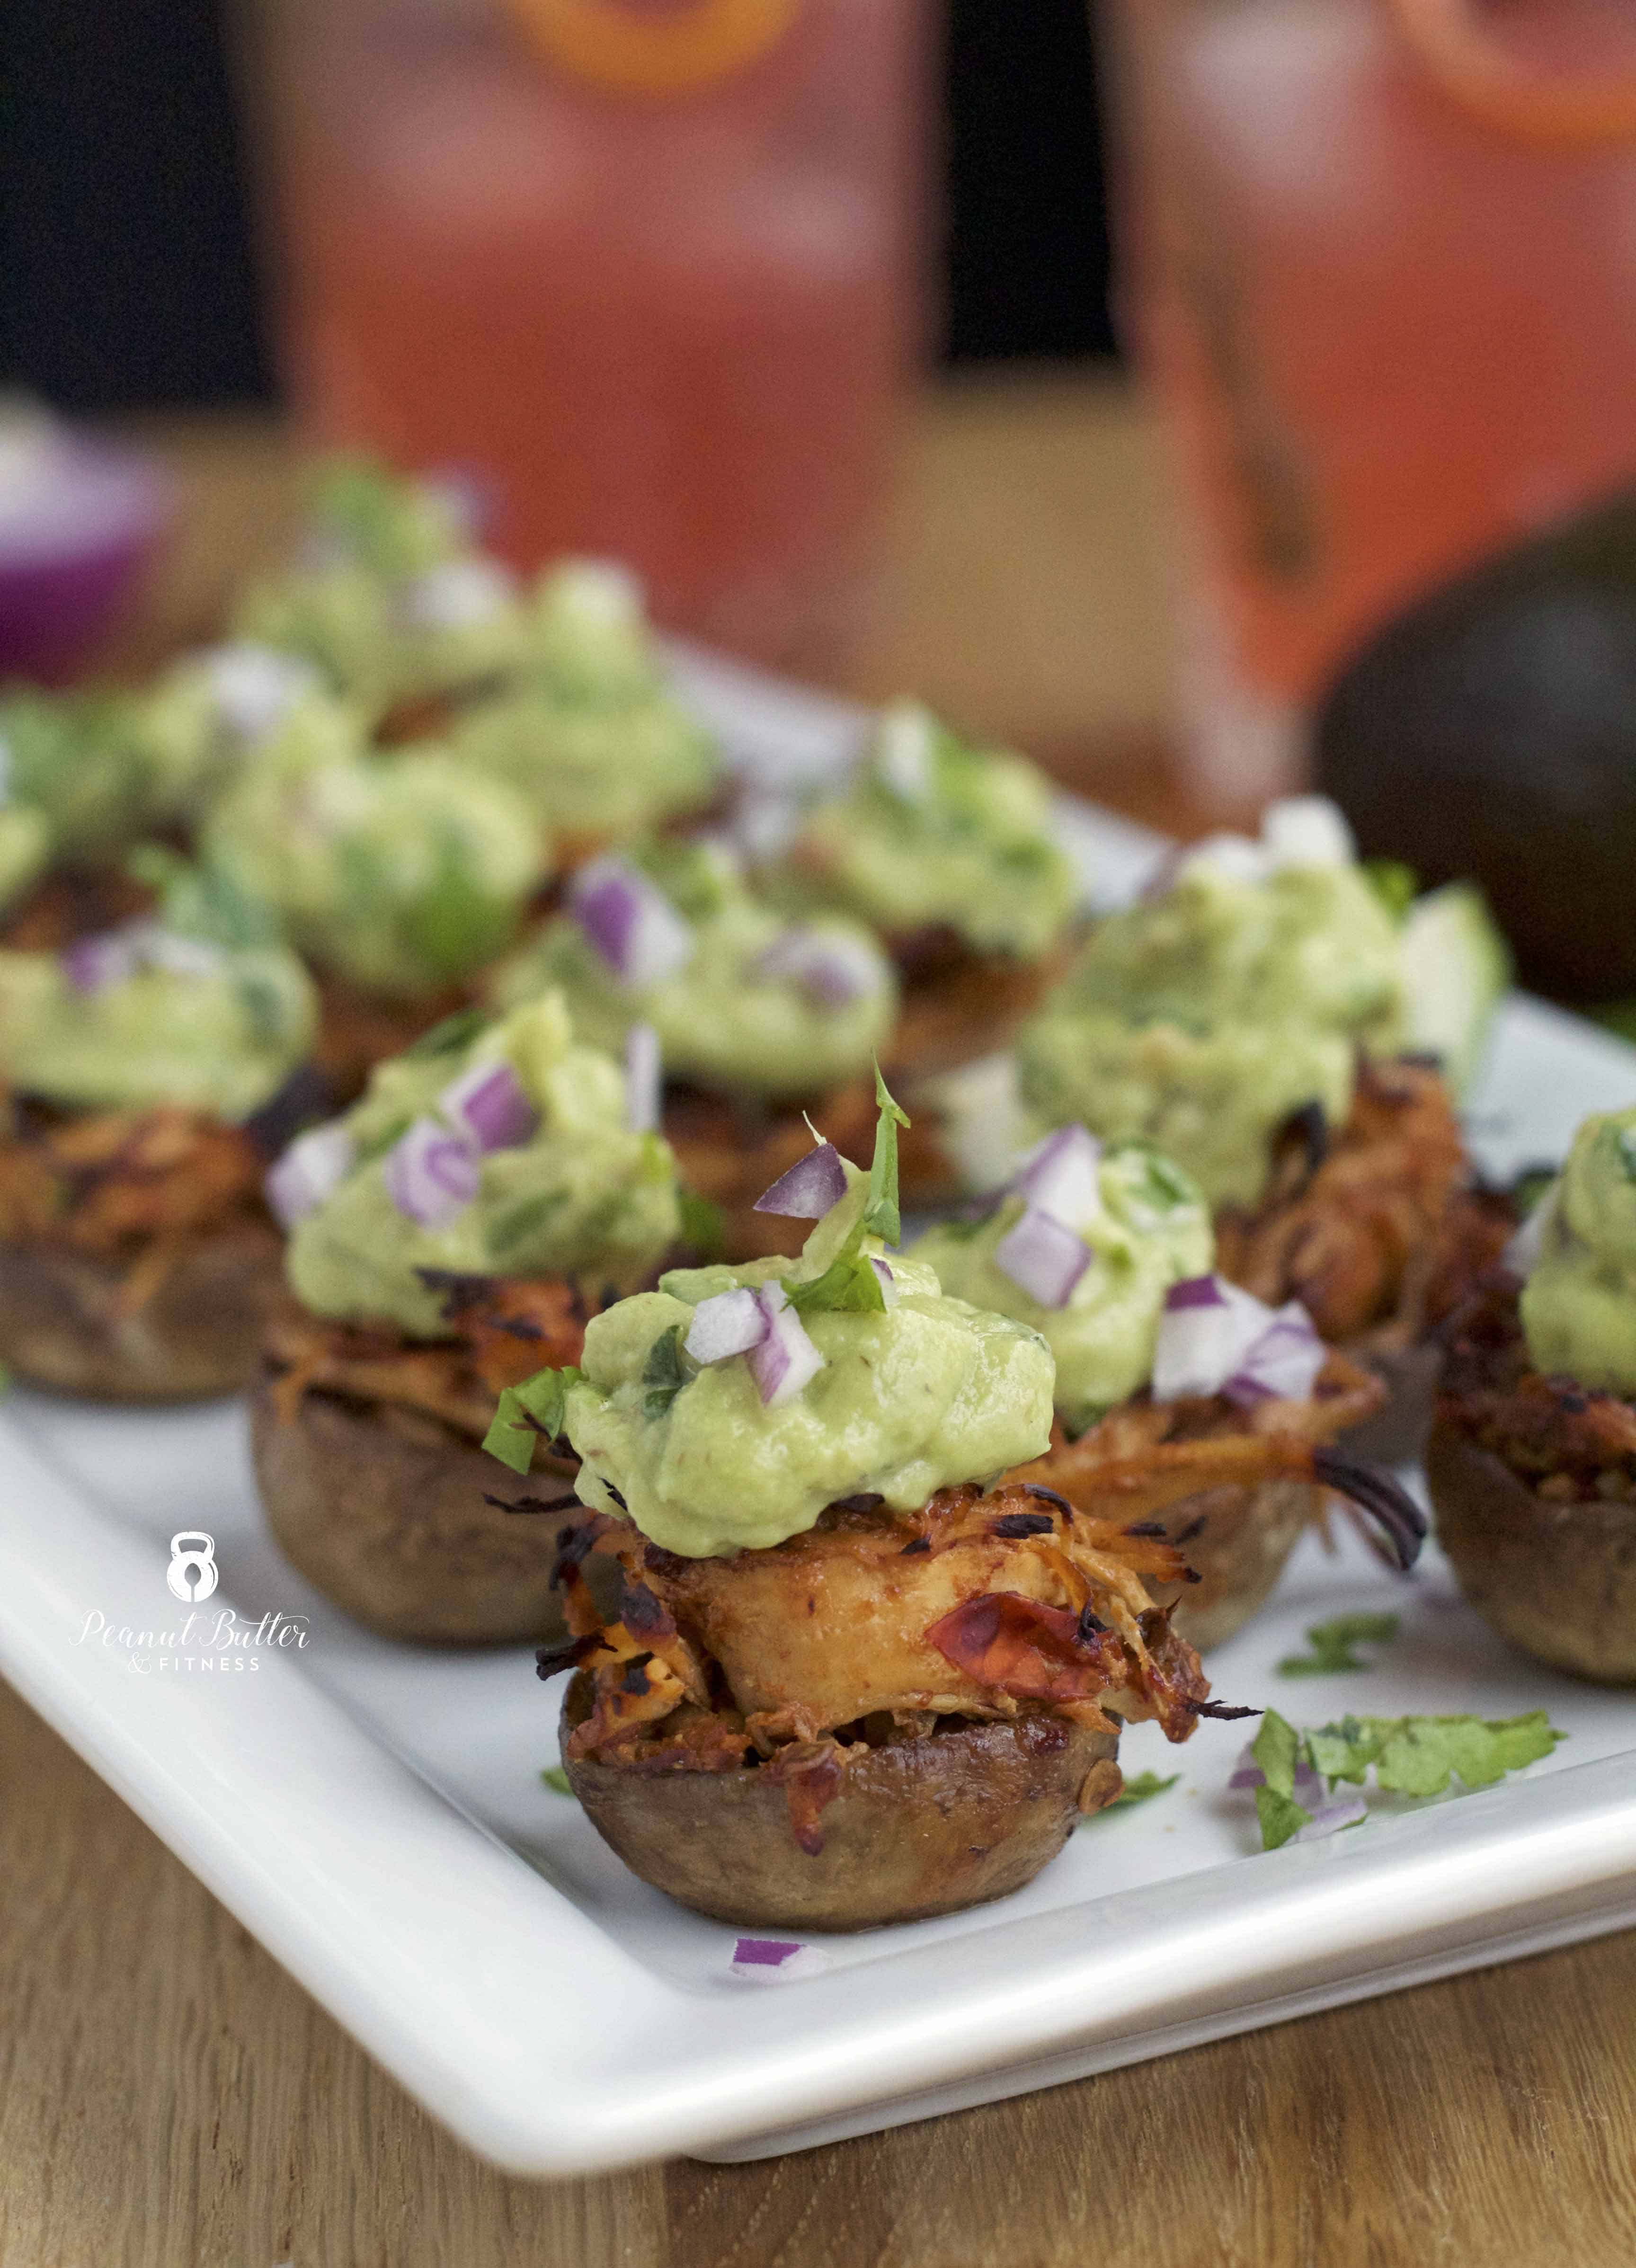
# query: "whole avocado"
{"points": [[1488, 731]]}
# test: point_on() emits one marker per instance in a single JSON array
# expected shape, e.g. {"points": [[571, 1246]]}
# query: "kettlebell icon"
{"points": [[193, 1574]]}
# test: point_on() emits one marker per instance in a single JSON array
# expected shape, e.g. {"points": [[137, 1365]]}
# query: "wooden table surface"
{"points": [[170, 2099]]}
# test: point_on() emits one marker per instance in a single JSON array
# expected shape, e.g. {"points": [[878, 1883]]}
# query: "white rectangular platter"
{"points": [[375, 1813]]}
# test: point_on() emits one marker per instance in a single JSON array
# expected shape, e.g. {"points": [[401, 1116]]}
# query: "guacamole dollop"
{"points": [[585, 729], [387, 595], [1578, 1304], [759, 1005], [1151, 1230], [399, 872], [150, 1014], [1199, 1019], [582, 1196], [25, 849], [932, 832], [928, 1392]]}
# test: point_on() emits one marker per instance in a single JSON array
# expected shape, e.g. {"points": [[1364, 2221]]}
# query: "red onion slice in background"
{"points": [[645, 1079], [629, 922], [832, 971], [1042, 1257], [1207, 1329], [786, 1358], [311, 1169], [431, 1174], [1282, 1365], [1060, 1175], [725, 1324], [487, 1103], [255, 686], [90, 964], [812, 1185], [78, 519]]}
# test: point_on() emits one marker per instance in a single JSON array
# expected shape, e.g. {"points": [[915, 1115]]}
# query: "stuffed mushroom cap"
{"points": [[933, 835], [1142, 1225], [1202, 1017], [892, 1401], [745, 1002], [546, 1177]]}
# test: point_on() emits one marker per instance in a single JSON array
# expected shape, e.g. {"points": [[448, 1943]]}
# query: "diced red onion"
{"points": [[78, 521], [1234, 856], [1329, 1819], [1306, 830], [1522, 1254], [1282, 1364], [812, 1185], [903, 751], [886, 1280], [311, 1169], [161, 948], [725, 1324], [1215, 1338], [255, 686], [457, 594], [91, 963], [487, 1106], [1042, 1257], [431, 1175], [645, 1073], [831, 970], [1309, 1789], [629, 922], [1059, 1175], [783, 1361], [1205, 1333], [774, 1959]]}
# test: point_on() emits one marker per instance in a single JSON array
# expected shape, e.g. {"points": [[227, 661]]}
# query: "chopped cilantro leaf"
{"points": [[1408, 1756], [881, 1216], [703, 1225], [662, 1374], [1625, 1142], [1393, 884], [848, 1284], [1280, 1816], [537, 1407], [451, 1033], [1332, 1645], [556, 1778], [1140, 1788]]}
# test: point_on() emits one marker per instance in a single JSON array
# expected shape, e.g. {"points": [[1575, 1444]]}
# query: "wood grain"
{"points": [[170, 2099]]}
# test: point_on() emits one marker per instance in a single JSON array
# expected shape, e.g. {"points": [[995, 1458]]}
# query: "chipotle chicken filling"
{"points": [[500, 1330], [1562, 1439], [872, 1628], [139, 1190], [1380, 1231]]}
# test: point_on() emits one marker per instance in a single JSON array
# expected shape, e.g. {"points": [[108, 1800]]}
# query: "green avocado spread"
{"points": [[1151, 1229], [760, 1005], [387, 598], [1198, 1020], [197, 1007], [584, 729], [1578, 1304], [402, 874], [907, 1399], [931, 833], [582, 1196]]}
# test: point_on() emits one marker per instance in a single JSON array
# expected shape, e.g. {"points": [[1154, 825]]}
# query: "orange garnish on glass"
{"points": [[1470, 65], [644, 49]]}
